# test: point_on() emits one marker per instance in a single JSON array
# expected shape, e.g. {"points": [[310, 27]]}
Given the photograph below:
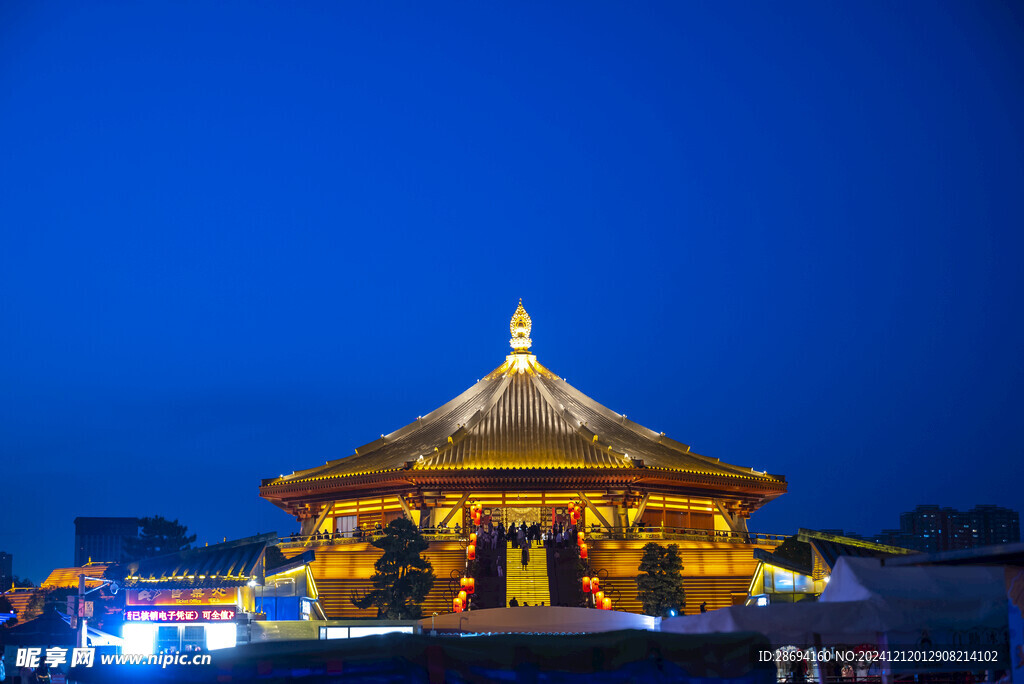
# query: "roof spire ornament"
{"points": [[520, 328]]}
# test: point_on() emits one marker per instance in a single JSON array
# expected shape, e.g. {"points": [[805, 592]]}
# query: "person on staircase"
{"points": [[526, 553], [513, 603]]}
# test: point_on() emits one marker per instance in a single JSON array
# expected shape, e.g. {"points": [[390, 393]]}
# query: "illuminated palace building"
{"points": [[522, 445]]}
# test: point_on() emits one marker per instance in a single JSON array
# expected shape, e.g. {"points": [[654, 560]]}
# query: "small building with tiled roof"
{"points": [[205, 598]]}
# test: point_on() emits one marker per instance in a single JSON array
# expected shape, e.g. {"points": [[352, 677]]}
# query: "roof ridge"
{"points": [[647, 434], [579, 430], [474, 420]]}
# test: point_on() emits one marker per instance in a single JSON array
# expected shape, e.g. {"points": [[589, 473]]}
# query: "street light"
{"points": [[80, 604]]}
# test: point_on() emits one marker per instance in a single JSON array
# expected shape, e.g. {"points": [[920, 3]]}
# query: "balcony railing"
{"points": [[685, 534], [594, 532]]}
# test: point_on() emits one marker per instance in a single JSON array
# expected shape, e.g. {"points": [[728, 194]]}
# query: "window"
{"points": [[783, 580], [284, 586], [167, 639], [193, 638], [702, 521], [803, 584]]}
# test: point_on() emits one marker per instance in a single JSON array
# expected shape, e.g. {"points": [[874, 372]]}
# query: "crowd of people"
{"points": [[558, 535], [323, 536], [488, 537]]}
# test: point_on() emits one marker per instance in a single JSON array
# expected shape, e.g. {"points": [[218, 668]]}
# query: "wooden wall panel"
{"points": [[712, 572], [341, 569]]}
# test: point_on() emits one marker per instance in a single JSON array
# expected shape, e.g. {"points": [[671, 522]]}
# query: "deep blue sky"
{"points": [[244, 238]]}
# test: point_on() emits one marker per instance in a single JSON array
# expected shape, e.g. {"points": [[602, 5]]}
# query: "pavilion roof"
{"points": [[68, 577], [521, 416], [19, 598]]}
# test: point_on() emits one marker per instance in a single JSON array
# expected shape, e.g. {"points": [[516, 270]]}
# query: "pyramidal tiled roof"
{"points": [[521, 416]]}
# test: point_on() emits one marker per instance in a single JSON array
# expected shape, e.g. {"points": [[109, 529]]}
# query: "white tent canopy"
{"points": [[858, 579], [864, 600]]}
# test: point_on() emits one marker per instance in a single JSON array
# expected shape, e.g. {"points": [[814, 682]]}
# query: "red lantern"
{"points": [[470, 585], [598, 597], [579, 537], [586, 585], [595, 583], [583, 550], [457, 605], [471, 552], [472, 538], [606, 604], [462, 582]]}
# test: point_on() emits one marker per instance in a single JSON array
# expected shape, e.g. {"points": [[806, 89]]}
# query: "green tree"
{"points": [[403, 577], [660, 581], [157, 537]]}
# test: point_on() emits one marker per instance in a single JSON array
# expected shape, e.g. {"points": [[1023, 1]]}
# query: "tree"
{"points": [[273, 557], [403, 577], [661, 582], [6, 607], [157, 537], [53, 597], [795, 551]]}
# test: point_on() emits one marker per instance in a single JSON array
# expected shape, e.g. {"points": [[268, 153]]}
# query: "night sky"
{"points": [[241, 239]]}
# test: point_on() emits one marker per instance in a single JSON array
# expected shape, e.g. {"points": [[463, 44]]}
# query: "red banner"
{"points": [[171, 614]]}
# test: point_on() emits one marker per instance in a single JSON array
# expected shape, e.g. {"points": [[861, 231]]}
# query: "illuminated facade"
{"points": [[204, 599], [522, 443], [799, 569]]}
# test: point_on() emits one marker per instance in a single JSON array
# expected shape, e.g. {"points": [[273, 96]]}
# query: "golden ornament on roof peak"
{"points": [[520, 328]]}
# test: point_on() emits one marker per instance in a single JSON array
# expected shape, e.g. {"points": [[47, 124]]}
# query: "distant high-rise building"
{"points": [[102, 539], [927, 527], [930, 529], [6, 571], [896, 538], [994, 525]]}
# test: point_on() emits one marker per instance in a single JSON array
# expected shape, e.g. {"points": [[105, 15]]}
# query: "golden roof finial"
{"points": [[520, 328]]}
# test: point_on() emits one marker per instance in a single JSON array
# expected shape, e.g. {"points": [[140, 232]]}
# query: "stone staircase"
{"points": [[530, 585]]}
